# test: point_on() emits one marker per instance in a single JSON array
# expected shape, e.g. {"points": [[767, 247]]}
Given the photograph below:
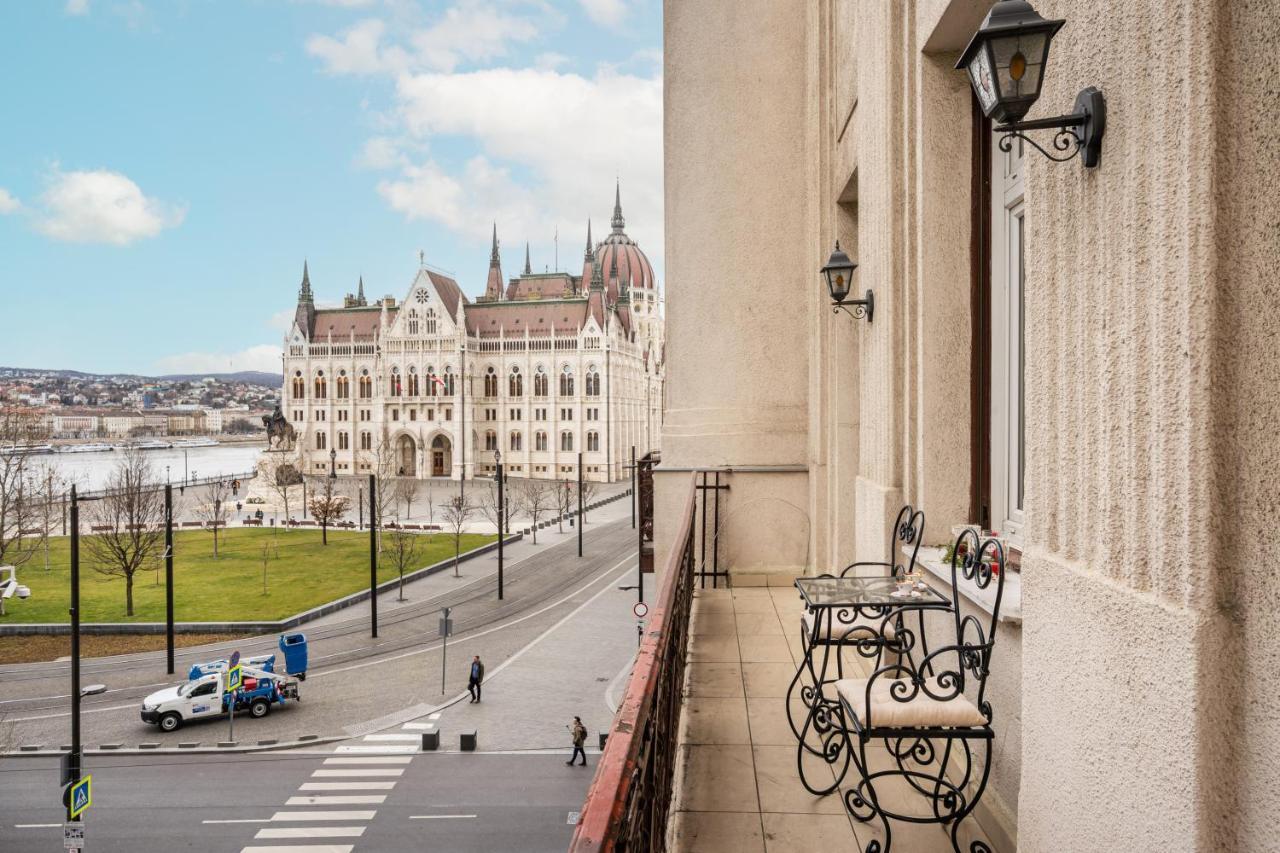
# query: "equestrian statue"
{"points": [[279, 430]]}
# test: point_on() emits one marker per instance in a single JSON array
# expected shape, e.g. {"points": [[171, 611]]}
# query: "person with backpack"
{"points": [[579, 732]]}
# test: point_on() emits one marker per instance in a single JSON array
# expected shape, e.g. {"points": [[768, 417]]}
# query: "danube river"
{"points": [[92, 470]]}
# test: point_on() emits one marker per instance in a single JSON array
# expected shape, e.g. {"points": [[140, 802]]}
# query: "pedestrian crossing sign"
{"points": [[81, 796], [234, 678]]}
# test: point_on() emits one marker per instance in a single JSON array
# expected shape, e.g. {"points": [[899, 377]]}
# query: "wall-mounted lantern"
{"points": [[1006, 60], [839, 275]]}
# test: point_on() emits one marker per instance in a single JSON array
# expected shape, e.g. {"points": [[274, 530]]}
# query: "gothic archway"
{"points": [[441, 456], [407, 463]]}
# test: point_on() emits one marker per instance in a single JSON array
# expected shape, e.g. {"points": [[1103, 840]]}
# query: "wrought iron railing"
{"points": [[630, 797]]}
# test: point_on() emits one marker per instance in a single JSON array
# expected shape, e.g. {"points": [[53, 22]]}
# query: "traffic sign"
{"points": [[73, 836], [235, 657], [640, 609], [446, 627], [235, 675], [81, 797]]}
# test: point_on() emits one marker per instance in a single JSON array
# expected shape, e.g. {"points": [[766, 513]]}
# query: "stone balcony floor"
{"points": [[737, 788]]}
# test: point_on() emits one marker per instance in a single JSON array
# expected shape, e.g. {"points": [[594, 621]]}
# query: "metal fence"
{"points": [[630, 797]]}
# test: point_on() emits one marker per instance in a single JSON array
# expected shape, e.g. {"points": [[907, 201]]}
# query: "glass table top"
{"points": [[843, 592]]}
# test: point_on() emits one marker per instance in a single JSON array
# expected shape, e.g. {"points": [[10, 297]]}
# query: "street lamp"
{"points": [[1006, 59], [502, 515], [333, 457], [839, 275]]}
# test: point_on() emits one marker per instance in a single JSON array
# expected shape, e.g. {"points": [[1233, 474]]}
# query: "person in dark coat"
{"points": [[579, 742], [475, 679]]}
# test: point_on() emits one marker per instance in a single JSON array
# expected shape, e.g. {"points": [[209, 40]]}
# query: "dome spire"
{"points": [[590, 255], [528, 270], [618, 221], [360, 300], [304, 292]]}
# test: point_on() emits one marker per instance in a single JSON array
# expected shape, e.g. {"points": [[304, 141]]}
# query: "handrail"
{"points": [[630, 797]]}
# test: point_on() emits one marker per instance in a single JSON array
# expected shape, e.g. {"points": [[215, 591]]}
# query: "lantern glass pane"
{"points": [[983, 79], [1019, 63]]}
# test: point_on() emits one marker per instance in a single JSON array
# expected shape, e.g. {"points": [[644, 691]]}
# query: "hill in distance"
{"points": [[250, 377]]}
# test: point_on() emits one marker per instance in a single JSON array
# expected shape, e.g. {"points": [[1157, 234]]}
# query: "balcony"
{"points": [[700, 756]]}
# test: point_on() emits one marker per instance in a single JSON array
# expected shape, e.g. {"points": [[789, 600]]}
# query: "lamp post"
{"points": [[184, 468], [168, 575], [75, 758], [502, 515], [579, 503], [373, 556], [333, 464]]}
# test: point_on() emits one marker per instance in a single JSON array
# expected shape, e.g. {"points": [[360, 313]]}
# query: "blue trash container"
{"points": [[294, 648]]}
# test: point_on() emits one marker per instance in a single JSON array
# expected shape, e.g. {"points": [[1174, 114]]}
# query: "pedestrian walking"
{"points": [[475, 679], [579, 742]]}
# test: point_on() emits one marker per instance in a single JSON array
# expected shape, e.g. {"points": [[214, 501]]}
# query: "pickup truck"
{"points": [[204, 698]]}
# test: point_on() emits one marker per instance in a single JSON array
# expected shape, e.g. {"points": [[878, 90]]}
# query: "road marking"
{"points": [[300, 848], [133, 705], [438, 816], [301, 816], [347, 786], [393, 737], [239, 820], [418, 726], [359, 800], [35, 825], [311, 832], [434, 716], [379, 750], [371, 759], [388, 771]]}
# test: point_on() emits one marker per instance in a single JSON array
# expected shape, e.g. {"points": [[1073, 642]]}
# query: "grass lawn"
{"points": [[301, 573], [45, 647]]}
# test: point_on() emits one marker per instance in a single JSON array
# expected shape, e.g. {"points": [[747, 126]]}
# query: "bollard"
{"points": [[604, 736], [468, 741], [430, 741]]}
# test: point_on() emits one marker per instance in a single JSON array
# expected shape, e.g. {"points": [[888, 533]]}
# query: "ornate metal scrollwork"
{"points": [[1066, 138]]}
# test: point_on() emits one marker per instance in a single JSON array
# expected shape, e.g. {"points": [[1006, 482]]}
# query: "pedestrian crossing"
{"points": [[322, 808]]}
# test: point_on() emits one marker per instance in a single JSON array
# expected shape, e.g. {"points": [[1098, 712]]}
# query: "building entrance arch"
{"points": [[441, 456], [407, 464]]}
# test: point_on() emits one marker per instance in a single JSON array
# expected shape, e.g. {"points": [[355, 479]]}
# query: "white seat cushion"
{"points": [[861, 628], [921, 711]]}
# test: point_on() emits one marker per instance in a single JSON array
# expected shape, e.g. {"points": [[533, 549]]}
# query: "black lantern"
{"points": [[839, 275], [333, 464], [1005, 60]]}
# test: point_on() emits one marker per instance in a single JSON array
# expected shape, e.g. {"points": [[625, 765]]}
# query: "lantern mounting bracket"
{"points": [[857, 308], [1079, 132]]}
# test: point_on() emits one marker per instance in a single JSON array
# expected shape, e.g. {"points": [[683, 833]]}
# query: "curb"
{"points": [[184, 748]]}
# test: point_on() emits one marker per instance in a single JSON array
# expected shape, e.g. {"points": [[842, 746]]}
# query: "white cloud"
{"points": [[571, 135], [382, 152], [282, 321], [264, 357], [549, 61], [471, 31], [8, 204], [101, 206], [607, 12], [76, 7]]}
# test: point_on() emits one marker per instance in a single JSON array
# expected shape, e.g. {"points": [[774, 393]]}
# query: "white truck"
{"points": [[205, 697]]}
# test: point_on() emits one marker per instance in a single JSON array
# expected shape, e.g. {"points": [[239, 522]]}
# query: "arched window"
{"points": [[299, 386], [413, 381], [431, 321], [344, 385], [540, 382], [491, 383], [431, 381], [515, 383], [366, 384], [490, 440], [413, 322], [566, 382], [593, 441], [396, 388], [516, 443], [566, 440], [321, 386], [320, 441], [448, 382], [593, 382], [344, 441], [540, 440]]}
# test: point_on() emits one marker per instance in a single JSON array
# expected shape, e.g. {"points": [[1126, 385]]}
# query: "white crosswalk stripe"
{"points": [[358, 800], [300, 848], [419, 726], [392, 737], [379, 748], [347, 786], [310, 832], [371, 759], [296, 817], [362, 771]]}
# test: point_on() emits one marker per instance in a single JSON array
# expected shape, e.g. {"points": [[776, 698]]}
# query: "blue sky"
{"points": [[166, 165]]}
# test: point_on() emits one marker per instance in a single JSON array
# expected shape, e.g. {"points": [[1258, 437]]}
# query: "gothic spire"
{"points": [[597, 280], [591, 253], [304, 292], [360, 300], [528, 270], [493, 253], [618, 221]]}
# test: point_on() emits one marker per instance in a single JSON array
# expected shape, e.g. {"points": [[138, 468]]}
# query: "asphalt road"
{"points": [[353, 679], [218, 804]]}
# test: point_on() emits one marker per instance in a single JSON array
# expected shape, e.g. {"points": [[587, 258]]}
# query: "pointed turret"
{"points": [[528, 270], [597, 277], [493, 288], [618, 221], [304, 317], [588, 259], [591, 251], [360, 300], [304, 292]]}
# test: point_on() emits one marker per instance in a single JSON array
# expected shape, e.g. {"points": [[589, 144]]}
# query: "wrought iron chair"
{"points": [[931, 729], [868, 631]]}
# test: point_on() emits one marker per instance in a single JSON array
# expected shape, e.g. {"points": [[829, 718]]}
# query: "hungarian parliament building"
{"points": [[546, 368]]}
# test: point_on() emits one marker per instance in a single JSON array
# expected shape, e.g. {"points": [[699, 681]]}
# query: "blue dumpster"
{"points": [[294, 647]]}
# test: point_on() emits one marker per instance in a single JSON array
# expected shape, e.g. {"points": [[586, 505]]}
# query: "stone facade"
{"points": [[1133, 464], [541, 368]]}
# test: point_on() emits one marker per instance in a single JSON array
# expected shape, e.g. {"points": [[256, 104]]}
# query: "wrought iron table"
{"points": [[864, 614]]}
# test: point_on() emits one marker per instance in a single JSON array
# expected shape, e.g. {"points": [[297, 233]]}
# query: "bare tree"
{"points": [[281, 474], [403, 549], [128, 522], [537, 498], [215, 512], [489, 504], [589, 491], [327, 504], [385, 468], [455, 512], [266, 554], [406, 491], [23, 502], [563, 501]]}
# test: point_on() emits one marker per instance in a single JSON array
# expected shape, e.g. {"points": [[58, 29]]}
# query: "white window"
{"points": [[1008, 354]]}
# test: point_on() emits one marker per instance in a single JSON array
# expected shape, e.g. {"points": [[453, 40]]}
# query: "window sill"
{"points": [[930, 559]]}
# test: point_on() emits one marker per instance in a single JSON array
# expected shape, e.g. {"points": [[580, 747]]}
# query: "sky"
{"points": [[166, 166]]}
